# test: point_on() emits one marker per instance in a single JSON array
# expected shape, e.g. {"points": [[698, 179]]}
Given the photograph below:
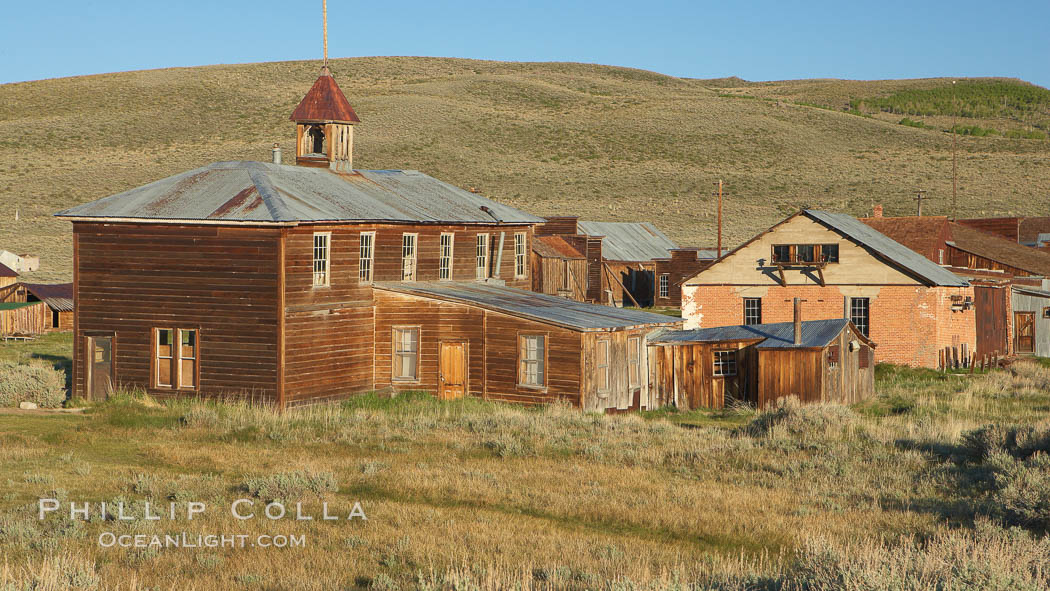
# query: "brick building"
{"points": [[840, 268]]}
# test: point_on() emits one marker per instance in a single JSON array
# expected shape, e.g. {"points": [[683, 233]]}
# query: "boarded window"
{"points": [[445, 260], [368, 242], [566, 273], [187, 358], [604, 369], [165, 355], [532, 361], [833, 356], [725, 363], [859, 314], [408, 257], [482, 257], [634, 361], [521, 255], [752, 311], [406, 354], [865, 357], [665, 285], [322, 258], [175, 358]]}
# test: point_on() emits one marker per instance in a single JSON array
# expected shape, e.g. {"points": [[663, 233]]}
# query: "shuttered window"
{"points": [[833, 356], [175, 358], [322, 258], [406, 354], [634, 361], [368, 242], [725, 363], [445, 259], [521, 256], [865, 357], [532, 361], [408, 257], [604, 368], [482, 257]]}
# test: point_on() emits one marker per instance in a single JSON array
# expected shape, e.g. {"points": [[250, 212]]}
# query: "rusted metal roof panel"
{"points": [[531, 305], [57, 296], [779, 335], [888, 249], [325, 102], [6, 271], [262, 192], [629, 241]]}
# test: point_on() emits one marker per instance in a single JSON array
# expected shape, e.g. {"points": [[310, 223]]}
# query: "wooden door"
{"points": [[1024, 332], [992, 317], [98, 367], [452, 371]]}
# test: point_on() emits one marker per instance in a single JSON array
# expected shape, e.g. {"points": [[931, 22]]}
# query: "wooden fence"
{"points": [[24, 318]]}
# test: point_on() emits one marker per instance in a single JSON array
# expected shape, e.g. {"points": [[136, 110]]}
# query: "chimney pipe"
{"points": [[276, 153], [798, 321], [876, 212]]}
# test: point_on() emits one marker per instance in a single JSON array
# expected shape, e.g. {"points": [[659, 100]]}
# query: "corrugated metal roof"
{"points": [[1032, 291], [629, 241], [894, 252], [325, 102], [779, 335], [57, 296], [262, 192], [534, 306]]}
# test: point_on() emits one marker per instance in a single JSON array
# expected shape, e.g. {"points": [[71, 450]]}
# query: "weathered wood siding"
{"points": [[30, 319], [223, 281], [549, 277], [683, 375], [620, 395]]}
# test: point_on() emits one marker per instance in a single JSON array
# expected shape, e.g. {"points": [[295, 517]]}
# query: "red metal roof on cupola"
{"points": [[325, 102]]}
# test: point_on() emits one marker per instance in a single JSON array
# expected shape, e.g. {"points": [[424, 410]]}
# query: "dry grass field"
{"points": [[942, 482], [603, 142]]}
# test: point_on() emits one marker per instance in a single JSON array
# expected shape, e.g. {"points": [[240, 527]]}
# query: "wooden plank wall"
{"points": [[790, 372], [33, 319], [65, 321], [132, 278], [549, 274], [620, 395]]}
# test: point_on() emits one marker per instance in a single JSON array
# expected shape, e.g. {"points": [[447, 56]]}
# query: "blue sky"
{"points": [[760, 40]]}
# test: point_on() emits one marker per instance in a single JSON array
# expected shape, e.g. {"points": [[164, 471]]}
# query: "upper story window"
{"points": [[860, 314], [408, 257], [445, 259], [752, 311], [532, 361], [665, 285], [521, 255], [482, 257], [367, 254], [805, 253], [322, 258]]}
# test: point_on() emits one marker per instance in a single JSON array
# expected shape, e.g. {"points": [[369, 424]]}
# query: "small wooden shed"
{"points": [[1031, 321], [814, 361]]}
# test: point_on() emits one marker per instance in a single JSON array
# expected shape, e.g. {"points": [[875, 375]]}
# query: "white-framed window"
{"points": [[604, 367], [634, 361], [533, 359], [725, 363], [482, 257], [367, 254], [405, 367], [322, 258], [175, 358], [445, 259], [521, 255], [665, 285], [408, 257], [752, 311]]}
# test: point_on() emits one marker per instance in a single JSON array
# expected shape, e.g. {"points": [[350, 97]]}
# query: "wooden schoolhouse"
{"points": [[291, 285]]}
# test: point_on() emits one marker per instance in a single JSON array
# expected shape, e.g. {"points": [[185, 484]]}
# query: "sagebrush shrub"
{"points": [[289, 486], [35, 382], [796, 420]]}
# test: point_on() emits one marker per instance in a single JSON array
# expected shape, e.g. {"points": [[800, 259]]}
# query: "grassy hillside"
{"points": [[602, 142], [910, 491]]}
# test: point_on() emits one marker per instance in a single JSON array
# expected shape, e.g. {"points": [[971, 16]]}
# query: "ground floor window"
{"points": [[665, 285], [406, 354], [604, 367], [752, 311], [175, 358], [532, 361], [725, 363], [859, 314], [634, 361]]}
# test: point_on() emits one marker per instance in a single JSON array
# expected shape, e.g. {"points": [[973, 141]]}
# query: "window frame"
{"points": [[822, 253], [412, 260], [664, 284], [366, 273], [481, 256], [327, 260], [521, 255], [750, 313], [865, 327], [719, 366], [790, 254], [598, 346], [395, 355], [446, 260], [541, 363], [175, 382], [634, 362]]}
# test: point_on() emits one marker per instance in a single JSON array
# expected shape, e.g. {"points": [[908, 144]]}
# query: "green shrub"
{"points": [[35, 382], [289, 486], [911, 123], [796, 420], [1021, 490]]}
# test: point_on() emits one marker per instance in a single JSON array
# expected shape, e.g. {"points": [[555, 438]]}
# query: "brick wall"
{"points": [[909, 324]]}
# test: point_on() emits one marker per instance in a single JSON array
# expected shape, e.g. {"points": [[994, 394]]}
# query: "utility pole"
{"points": [[719, 194], [955, 182], [918, 198]]}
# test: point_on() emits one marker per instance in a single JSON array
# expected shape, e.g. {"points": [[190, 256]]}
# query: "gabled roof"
{"points": [[325, 102], [925, 235], [1000, 250], [629, 241], [555, 247], [530, 305], [780, 335], [6, 271], [260, 192], [57, 296], [887, 249]]}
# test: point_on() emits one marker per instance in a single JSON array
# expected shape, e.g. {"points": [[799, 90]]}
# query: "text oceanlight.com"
{"points": [[191, 540]]}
